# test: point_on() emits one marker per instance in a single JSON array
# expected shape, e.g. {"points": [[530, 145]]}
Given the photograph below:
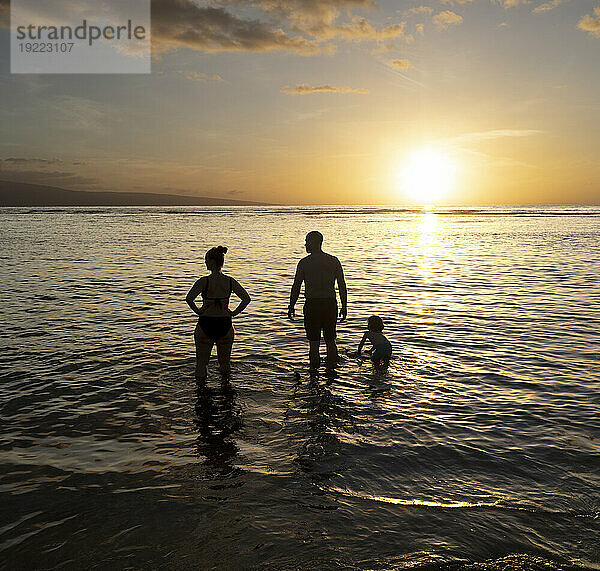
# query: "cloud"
{"points": [[37, 170], [402, 64], [453, 2], [299, 26], [182, 23], [79, 113], [420, 10], [51, 178], [303, 14], [590, 23], [24, 161], [445, 19], [547, 6], [197, 76], [492, 135], [359, 29], [304, 89], [511, 3]]}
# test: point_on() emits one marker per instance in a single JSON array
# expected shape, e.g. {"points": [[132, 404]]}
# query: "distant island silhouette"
{"points": [[25, 194]]}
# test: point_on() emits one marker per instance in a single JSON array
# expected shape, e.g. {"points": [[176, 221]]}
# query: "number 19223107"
{"points": [[46, 47]]}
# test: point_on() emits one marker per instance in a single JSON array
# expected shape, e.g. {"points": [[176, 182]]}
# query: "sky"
{"points": [[324, 102]]}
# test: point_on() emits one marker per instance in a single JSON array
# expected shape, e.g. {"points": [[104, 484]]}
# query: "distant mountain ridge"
{"points": [[25, 194]]}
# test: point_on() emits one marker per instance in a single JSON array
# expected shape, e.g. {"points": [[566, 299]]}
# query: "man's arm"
{"points": [[343, 291], [298, 279]]}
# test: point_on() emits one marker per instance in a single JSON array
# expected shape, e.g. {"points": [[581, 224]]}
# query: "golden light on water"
{"points": [[430, 247], [427, 175]]}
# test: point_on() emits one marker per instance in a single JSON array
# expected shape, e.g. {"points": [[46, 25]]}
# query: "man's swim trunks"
{"points": [[320, 315]]}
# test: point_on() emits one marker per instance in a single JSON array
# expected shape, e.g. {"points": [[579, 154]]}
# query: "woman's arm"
{"points": [[243, 295], [193, 294]]}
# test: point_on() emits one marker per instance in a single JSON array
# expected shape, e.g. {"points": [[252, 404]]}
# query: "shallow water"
{"points": [[479, 448]]}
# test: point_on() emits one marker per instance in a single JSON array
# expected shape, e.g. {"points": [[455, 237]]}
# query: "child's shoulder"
{"points": [[379, 338]]}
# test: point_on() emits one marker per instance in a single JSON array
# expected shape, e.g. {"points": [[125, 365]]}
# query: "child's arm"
{"points": [[362, 342]]}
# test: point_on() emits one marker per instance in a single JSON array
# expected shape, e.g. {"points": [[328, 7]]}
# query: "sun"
{"points": [[427, 175]]}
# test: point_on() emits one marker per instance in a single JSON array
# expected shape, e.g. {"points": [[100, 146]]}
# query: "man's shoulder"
{"points": [[318, 260], [333, 259], [327, 256]]}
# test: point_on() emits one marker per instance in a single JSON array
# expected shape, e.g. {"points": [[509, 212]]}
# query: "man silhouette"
{"points": [[319, 272]]}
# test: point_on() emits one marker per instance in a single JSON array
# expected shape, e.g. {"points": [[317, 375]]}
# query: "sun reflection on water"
{"points": [[427, 251]]}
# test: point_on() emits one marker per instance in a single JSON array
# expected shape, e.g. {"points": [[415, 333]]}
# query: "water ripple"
{"points": [[477, 449]]}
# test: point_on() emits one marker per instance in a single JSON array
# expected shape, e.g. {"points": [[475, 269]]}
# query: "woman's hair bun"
{"points": [[222, 249]]}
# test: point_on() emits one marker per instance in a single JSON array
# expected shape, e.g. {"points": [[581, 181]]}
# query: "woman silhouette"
{"points": [[214, 317]]}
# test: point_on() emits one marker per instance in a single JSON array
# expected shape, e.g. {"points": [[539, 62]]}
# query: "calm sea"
{"points": [[478, 449]]}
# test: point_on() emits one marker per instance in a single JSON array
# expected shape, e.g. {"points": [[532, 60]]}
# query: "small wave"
{"points": [[414, 502], [498, 504]]}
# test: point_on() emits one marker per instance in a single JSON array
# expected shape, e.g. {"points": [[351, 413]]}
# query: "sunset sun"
{"points": [[426, 175]]}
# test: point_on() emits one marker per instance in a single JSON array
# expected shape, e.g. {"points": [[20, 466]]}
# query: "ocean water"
{"points": [[478, 448]]}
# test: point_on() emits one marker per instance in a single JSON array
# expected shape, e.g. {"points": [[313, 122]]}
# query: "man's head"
{"points": [[314, 241]]}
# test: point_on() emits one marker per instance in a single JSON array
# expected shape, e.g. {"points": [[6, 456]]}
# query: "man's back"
{"points": [[320, 271]]}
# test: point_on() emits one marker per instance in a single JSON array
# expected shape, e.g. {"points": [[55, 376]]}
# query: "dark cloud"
{"points": [[50, 178], [182, 23], [300, 26], [22, 160]]}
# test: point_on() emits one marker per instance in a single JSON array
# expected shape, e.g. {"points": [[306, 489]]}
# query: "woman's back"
{"points": [[216, 290], [214, 318]]}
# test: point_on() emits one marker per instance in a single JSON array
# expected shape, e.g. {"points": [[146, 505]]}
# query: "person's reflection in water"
{"points": [[320, 455], [378, 385], [217, 420]]}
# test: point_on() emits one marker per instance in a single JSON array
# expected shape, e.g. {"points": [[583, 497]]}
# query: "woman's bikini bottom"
{"points": [[214, 327]]}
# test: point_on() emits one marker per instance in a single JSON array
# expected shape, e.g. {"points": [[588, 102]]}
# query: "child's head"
{"points": [[375, 324]]}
